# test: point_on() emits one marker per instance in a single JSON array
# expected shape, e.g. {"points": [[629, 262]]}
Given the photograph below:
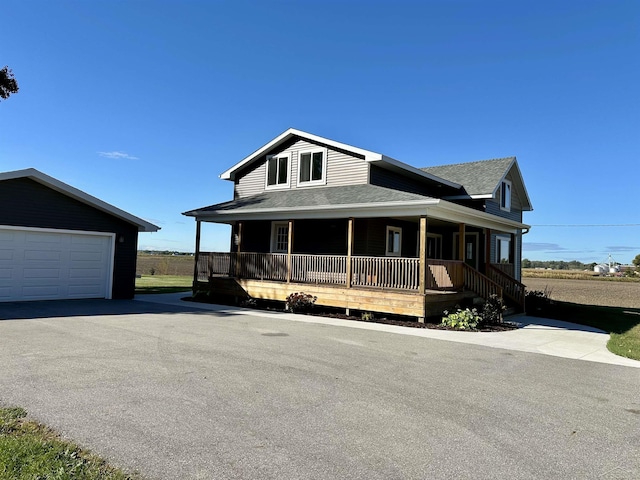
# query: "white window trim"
{"points": [[274, 232], [507, 206], [386, 246], [266, 177], [500, 238], [323, 180]]}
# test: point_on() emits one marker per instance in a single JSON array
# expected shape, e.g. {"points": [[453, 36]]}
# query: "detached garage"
{"points": [[57, 242]]}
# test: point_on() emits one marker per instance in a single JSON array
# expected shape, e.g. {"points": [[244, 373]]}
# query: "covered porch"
{"points": [[328, 258]]}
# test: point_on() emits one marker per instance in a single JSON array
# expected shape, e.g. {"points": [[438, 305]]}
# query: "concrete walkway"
{"points": [[537, 335]]}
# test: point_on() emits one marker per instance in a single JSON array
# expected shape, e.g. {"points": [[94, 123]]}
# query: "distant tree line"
{"points": [[163, 252], [557, 264], [572, 265]]}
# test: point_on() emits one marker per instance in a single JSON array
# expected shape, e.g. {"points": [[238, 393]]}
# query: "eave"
{"points": [[432, 208]]}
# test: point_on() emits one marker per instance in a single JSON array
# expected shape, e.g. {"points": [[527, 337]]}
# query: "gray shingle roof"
{"points": [[312, 197], [477, 178]]}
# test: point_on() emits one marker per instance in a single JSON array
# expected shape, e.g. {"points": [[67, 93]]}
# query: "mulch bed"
{"points": [[433, 322]]}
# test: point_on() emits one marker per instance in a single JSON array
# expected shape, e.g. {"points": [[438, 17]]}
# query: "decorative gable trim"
{"points": [[367, 155]]}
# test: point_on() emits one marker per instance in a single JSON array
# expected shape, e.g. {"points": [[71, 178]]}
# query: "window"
{"points": [[277, 171], [394, 241], [279, 237], [503, 249], [312, 167], [505, 195], [433, 247]]}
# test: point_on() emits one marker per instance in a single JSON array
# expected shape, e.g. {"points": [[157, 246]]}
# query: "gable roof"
{"points": [[367, 155], [79, 195], [482, 179]]}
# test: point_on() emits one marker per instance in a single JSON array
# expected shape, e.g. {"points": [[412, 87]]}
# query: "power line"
{"points": [[589, 225]]}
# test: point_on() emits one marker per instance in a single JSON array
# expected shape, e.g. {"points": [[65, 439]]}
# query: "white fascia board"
{"points": [[469, 197], [434, 208], [524, 187], [414, 170], [514, 163], [359, 210], [283, 137], [458, 213], [68, 190]]}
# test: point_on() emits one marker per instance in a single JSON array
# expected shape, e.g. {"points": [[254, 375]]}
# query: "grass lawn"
{"points": [[29, 450], [163, 283], [623, 324]]}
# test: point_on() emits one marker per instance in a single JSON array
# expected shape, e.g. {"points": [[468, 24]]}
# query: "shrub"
{"points": [[300, 302], [536, 301], [367, 317], [249, 303], [462, 320], [492, 310]]}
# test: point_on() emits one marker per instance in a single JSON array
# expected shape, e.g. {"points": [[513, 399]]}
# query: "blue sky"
{"points": [[144, 103]]}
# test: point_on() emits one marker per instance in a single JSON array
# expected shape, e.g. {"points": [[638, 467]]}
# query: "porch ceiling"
{"points": [[357, 201]]}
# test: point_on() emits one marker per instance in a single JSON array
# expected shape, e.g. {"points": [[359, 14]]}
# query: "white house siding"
{"points": [[342, 169]]}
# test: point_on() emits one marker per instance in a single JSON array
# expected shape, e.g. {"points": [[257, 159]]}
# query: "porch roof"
{"points": [[358, 201]]}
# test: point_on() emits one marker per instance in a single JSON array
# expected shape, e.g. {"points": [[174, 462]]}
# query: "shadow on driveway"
{"points": [[86, 308]]}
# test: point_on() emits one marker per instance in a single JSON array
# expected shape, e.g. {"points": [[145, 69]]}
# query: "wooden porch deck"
{"points": [[397, 302]]}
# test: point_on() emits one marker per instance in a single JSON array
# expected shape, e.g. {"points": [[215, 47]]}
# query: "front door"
{"points": [[471, 251]]}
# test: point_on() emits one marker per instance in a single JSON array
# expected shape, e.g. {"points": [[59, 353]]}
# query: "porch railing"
{"points": [[507, 268], [480, 284], [444, 275], [386, 272], [513, 289], [377, 272], [261, 266], [319, 268]]}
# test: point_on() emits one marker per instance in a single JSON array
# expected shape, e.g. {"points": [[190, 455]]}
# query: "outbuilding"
{"points": [[58, 242]]}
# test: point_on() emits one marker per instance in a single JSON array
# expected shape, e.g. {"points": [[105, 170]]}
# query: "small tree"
{"points": [[8, 84], [636, 261]]}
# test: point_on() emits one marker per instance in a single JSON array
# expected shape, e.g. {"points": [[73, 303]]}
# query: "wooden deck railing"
{"points": [[512, 288], [386, 272], [261, 266], [319, 269], [444, 275], [507, 268], [480, 284], [209, 264], [376, 272]]}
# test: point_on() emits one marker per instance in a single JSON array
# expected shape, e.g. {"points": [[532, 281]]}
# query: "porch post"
{"points": [[423, 254], [487, 249], [197, 254], [461, 243], [238, 249], [349, 251], [289, 249]]}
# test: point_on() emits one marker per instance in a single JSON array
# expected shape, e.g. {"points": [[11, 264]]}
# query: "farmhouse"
{"points": [[361, 230], [57, 242]]}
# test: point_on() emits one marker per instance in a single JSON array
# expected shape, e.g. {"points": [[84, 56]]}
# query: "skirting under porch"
{"points": [[397, 302]]}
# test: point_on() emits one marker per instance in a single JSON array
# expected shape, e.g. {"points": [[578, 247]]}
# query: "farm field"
{"points": [[181, 265], [589, 292]]}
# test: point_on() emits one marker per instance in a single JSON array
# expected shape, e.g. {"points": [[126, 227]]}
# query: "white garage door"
{"points": [[43, 264]]}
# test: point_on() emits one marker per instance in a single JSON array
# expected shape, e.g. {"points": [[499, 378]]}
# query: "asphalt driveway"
{"points": [[176, 392]]}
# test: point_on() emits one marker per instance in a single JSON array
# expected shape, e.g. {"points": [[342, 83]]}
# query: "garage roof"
{"points": [[38, 176]]}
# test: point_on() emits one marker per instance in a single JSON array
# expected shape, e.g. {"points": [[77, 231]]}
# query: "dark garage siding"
{"points": [[26, 203]]}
